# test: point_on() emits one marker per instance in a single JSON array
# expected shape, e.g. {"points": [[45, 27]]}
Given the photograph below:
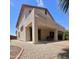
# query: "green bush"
{"points": [[66, 35]]}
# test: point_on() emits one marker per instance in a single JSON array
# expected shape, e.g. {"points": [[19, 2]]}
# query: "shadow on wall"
{"points": [[64, 55], [46, 42]]}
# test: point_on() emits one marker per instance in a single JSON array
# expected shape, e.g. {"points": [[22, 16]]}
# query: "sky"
{"points": [[52, 5]]}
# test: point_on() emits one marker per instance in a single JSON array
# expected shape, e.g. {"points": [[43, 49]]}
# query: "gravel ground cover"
{"points": [[40, 51]]}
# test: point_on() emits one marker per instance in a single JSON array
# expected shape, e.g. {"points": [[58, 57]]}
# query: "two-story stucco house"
{"points": [[36, 24]]}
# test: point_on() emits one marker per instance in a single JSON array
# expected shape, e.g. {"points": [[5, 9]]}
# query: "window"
{"points": [[26, 14], [21, 28], [46, 12], [29, 11], [18, 34]]}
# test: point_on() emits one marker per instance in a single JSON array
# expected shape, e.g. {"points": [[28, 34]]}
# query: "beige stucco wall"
{"points": [[24, 35], [36, 22], [27, 34], [47, 20], [24, 12], [44, 20]]}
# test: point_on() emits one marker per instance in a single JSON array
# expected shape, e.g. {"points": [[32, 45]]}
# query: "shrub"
{"points": [[66, 35]]}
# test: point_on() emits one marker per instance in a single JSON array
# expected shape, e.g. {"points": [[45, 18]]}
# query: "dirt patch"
{"points": [[14, 51]]}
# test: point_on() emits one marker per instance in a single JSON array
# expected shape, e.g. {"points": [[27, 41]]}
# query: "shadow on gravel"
{"points": [[64, 55], [46, 42]]}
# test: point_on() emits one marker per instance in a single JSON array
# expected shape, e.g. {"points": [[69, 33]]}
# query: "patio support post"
{"points": [[56, 35], [34, 30]]}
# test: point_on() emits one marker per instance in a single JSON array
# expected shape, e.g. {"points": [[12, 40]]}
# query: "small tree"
{"points": [[66, 35]]}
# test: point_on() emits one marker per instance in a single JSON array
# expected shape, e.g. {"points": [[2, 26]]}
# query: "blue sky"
{"points": [[52, 5]]}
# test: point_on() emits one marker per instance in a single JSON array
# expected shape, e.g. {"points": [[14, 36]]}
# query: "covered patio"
{"points": [[41, 31], [42, 28]]}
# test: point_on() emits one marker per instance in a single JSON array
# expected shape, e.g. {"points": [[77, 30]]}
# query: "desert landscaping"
{"points": [[49, 50]]}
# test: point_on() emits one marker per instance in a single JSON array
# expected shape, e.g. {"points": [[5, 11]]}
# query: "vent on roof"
{"points": [[40, 3]]}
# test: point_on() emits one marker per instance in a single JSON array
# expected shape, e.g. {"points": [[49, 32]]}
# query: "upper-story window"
{"points": [[45, 12], [27, 13], [21, 28]]}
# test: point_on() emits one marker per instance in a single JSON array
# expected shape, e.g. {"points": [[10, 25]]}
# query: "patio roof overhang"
{"points": [[45, 22]]}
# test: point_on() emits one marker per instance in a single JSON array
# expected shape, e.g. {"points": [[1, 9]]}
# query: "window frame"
{"points": [[21, 28]]}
